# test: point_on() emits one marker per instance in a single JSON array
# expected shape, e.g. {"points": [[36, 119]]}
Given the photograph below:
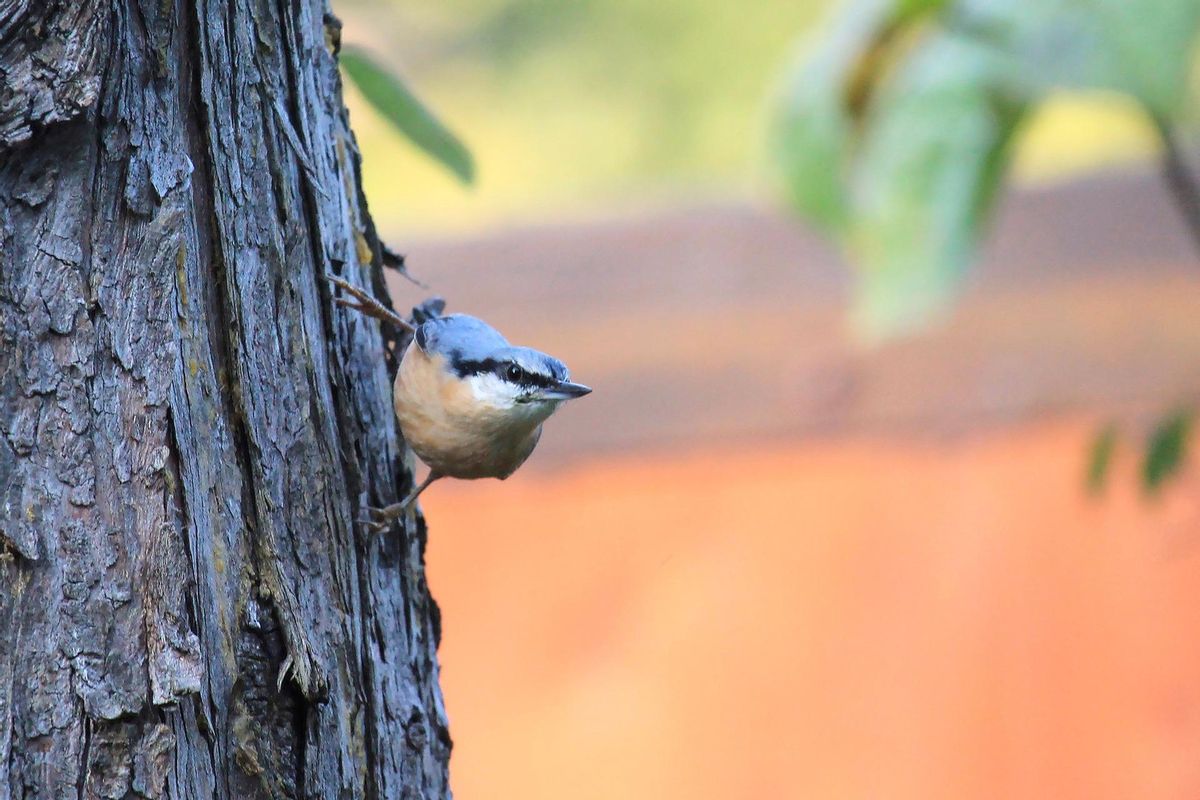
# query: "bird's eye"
{"points": [[514, 373]]}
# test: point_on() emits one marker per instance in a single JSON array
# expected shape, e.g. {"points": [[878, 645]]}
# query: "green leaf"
{"points": [[814, 127], [909, 10], [1166, 449], [1100, 458], [388, 94], [935, 149], [810, 135], [808, 145], [1143, 48], [894, 135]]}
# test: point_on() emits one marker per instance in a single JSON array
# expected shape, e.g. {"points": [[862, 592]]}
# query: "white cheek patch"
{"points": [[491, 390]]}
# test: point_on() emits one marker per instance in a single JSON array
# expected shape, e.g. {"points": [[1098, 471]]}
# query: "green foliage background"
{"points": [[572, 105], [578, 107], [896, 128], [893, 129]]}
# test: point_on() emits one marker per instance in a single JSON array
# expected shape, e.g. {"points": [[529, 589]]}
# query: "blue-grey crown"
{"points": [[472, 347]]}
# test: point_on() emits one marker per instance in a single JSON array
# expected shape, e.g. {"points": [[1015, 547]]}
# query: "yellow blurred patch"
{"points": [[1074, 134]]}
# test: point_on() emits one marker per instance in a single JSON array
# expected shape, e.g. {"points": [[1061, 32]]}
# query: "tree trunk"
{"points": [[189, 427]]}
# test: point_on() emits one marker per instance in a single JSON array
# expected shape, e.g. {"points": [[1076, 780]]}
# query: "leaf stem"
{"points": [[1185, 188]]}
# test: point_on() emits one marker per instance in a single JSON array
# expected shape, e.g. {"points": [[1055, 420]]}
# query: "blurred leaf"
{"points": [[809, 147], [810, 138], [895, 134], [1166, 449], [906, 10], [1142, 48], [813, 134], [1100, 459], [897, 151], [389, 95], [930, 166]]}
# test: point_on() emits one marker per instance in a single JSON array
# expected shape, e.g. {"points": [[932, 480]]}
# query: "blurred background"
{"points": [[875, 497]]}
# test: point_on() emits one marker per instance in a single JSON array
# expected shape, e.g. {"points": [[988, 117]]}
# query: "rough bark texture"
{"points": [[189, 427]]}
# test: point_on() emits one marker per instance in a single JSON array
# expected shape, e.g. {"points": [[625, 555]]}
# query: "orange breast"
{"points": [[449, 428]]}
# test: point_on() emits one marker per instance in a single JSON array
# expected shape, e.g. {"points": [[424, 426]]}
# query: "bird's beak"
{"points": [[565, 390]]}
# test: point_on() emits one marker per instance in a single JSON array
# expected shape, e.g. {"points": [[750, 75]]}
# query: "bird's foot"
{"points": [[378, 520]]}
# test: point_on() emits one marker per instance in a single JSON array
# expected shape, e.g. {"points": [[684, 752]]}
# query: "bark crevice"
{"points": [[189, 427]]}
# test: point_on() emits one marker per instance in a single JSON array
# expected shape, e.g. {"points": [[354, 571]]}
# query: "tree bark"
{"points": [[189, 427]]}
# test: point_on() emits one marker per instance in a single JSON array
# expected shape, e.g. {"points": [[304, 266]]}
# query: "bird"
{"points": [[469, 404]]}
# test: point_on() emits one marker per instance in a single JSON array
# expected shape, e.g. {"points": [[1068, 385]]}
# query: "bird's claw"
{"points": [[378, 520]]}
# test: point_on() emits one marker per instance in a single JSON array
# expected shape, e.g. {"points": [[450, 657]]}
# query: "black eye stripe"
{"points": [[533, 379], [513, 373], [465, 367]]}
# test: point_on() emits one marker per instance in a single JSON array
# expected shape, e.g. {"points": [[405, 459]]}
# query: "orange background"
{"points": [[839, 619], [763, 561]]}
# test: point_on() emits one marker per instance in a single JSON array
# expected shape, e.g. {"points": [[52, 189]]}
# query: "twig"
{"points": [[365, 304], [394, 260], [1185, 188]]}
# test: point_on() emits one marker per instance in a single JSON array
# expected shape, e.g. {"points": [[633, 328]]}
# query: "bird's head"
{"points": [[518, 381]]}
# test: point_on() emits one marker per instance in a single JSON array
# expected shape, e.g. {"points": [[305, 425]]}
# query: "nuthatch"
{"points": [[470, 405]]}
